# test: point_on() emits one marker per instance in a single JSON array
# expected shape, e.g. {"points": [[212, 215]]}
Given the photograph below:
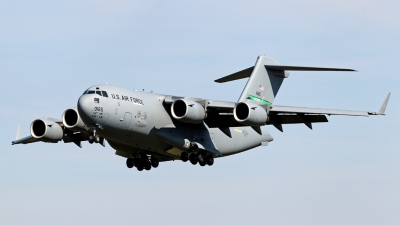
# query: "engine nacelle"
{"points": [[72, 120], [188, 111], [43, 128], [250, 114]]}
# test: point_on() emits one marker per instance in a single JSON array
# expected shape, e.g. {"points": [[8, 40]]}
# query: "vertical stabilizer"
{"points": [[264, 83]]}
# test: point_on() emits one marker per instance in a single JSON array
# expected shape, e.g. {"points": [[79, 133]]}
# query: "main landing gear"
{"points": [[201, 157], [94, 138], [142, 161]]}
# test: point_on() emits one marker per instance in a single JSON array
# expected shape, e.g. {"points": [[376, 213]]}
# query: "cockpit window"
{"points": [[98, 92], [84, 93], [90, 92], [105, 94]]}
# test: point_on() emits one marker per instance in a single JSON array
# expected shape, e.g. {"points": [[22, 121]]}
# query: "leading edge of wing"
{"points": [[25, 140]]}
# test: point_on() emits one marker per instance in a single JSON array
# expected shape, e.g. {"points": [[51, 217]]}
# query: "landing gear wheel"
{"points": [[129, 162], [147, 165], [184, 156], [97, 139], [201, 157], [154, 162], [91, 139], [193, 158], [139, 167], [202, 163], [138, 163], [209, 160]]}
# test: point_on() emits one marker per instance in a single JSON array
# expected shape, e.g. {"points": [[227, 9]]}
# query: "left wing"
{"points": [[304, 110], [219, 113]]}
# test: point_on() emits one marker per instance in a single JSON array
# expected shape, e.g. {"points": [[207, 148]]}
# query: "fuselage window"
{"points": [[98, 92], [90, 92], [105, 94]]}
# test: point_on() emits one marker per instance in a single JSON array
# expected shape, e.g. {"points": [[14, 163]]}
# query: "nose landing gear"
{"points": [[95, 139]]}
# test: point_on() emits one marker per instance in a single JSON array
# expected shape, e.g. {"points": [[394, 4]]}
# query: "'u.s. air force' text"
{"points": [[127, 98]]}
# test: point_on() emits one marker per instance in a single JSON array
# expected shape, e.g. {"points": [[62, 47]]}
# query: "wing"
{"points": [[220, 113], [304, 110], [68, 137]]}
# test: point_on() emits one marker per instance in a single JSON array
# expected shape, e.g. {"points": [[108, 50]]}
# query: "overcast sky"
{"points": [[346, 171]]}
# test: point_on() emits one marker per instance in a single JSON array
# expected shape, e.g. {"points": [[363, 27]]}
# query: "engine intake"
{"points": [[188, 111], [42, 128], [250, 114], [72, 120]]}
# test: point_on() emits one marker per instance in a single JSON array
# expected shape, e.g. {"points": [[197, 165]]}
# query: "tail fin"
{"points": [[266, 78], [264, 83]]}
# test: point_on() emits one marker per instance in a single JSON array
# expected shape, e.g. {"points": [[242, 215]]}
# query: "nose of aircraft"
{"points": [[85, 107]]}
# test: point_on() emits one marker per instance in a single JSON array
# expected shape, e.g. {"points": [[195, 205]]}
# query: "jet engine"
{"points": [[188, 111], [250, 114], [43, 128], [72, 120]]}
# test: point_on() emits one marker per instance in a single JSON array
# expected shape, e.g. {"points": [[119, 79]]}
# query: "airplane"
{"points": [[148, 128]]}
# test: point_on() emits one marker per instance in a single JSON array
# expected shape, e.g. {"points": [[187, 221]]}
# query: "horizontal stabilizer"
{"points": [[304, 68], [247, 72], [236, 76]]}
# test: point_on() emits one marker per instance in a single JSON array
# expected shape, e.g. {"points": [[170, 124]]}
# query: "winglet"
{"points": [[19, 132], [383, 107]]}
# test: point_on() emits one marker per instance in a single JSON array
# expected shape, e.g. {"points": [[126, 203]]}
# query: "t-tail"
{"points": [[266, 78]]}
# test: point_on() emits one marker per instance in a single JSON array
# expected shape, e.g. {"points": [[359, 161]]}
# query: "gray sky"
{"points": [[342, 172]]}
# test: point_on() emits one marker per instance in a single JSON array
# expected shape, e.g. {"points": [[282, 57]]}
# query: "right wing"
{"points": [[68, 137]]}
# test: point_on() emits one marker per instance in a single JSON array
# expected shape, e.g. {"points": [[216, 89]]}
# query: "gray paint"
{"points": [[263, 83], [133, 121]]}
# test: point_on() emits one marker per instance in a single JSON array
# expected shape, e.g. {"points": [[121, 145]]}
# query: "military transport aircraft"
{"points": [[148, 128]]}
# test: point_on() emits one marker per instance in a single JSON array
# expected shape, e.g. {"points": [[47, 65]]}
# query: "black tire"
{"points": [[184, 156], [155, 162], [91, 139], [202, 163], [129, 162], [193, 158], [138, 163], [139, 167], [201, 157], [97, 139], [209, 160], [147, 165]]}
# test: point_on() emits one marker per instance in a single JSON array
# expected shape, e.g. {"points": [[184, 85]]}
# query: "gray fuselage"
{"points": [[133, 121]]}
